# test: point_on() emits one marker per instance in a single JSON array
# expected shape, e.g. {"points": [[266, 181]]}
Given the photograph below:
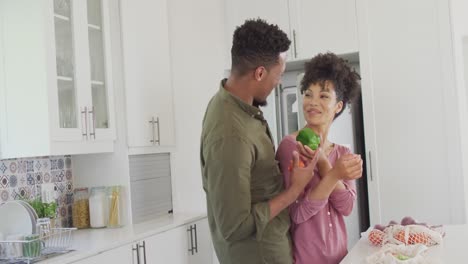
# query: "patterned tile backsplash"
{"points": [[23, 178]]}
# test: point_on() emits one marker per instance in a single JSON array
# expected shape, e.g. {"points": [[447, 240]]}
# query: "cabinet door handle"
{"points": [[144, 252], [159, 132], [294, 43], [137, 249], [84, 113], [278, 92], [191, 239], [370, 167], [93, 122], [152, 130], [153, 123], [196, 238]]}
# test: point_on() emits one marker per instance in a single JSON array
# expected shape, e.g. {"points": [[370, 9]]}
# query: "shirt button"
{"points": [[328, 213], [330, 225]]}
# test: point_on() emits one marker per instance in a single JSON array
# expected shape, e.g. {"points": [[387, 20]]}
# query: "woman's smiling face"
{"points": [[320, 104]]}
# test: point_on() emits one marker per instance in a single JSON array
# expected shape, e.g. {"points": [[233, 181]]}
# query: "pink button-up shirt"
{"points": [[318, 229]]}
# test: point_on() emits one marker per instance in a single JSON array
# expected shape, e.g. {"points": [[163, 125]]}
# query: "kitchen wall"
{"points": [[24, 178], [197, 55]]}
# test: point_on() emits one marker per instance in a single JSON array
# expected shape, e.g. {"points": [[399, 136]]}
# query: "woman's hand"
{"points": [[347, 167], [308, 155]]}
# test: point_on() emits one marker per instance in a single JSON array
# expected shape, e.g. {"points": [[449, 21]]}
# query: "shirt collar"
{"points": [[249, 109]]}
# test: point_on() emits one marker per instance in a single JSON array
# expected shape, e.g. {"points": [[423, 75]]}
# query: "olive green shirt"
{"points": [[240, 176]]}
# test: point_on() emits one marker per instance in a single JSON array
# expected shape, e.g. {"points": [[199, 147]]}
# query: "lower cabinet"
{"points": [[120, 255], [167, 247], [189, 244], [200, 247]]}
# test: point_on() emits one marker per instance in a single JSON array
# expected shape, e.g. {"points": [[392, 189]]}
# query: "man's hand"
{"points": [[300, 177], [347, 167]]}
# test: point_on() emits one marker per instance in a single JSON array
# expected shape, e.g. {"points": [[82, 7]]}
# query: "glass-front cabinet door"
{"points": [[82, 53], [99, 52], [97, 69], [68, 110]]}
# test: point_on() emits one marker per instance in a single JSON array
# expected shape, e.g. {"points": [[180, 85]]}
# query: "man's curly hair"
{"points": [[257, 43], [329, 67]]}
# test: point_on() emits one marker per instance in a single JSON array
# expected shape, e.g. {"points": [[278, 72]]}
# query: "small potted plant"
{"points": [[45, 209]]}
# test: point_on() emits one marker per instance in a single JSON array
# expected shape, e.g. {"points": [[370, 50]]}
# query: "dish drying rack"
{"points": [[48, 242]]}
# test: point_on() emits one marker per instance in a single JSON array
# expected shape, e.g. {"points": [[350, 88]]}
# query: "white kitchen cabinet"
{"points": [[186, 244], [167, 247], [120, 255], [57, 95], [460, 48], [410, 108], [200, 247], [312, 26], [320, 26], [189, 244], [147, 73], [237, 11]]}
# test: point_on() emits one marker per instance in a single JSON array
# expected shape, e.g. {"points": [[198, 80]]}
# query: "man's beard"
{"points": [[257, 103]]}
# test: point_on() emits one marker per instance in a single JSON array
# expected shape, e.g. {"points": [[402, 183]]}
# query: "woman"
{"points": [[318, 228]]}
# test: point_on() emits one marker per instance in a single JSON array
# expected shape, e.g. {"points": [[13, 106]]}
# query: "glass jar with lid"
{"points": [[115, 206], [98, 207], [80, 209]]}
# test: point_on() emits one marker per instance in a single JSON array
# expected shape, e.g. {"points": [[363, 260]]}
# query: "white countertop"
{"points": [[452, 251], [90, 242]]}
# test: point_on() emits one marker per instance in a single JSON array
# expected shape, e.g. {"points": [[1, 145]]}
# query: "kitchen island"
{"points": [[452, 251]]}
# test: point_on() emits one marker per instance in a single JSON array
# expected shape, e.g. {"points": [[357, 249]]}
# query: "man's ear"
{"points": [[259, 73]]}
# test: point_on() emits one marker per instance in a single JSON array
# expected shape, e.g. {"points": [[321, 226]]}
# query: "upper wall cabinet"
{"points": [[147, 67], [313, 26], [319, 26], [56, 86]]}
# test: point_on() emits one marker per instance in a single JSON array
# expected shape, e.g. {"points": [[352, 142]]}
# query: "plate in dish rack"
{"points": [[32, 213], [16, 219]]}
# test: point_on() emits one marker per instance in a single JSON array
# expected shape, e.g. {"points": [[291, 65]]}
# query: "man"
{"points": [[243, 184]]}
